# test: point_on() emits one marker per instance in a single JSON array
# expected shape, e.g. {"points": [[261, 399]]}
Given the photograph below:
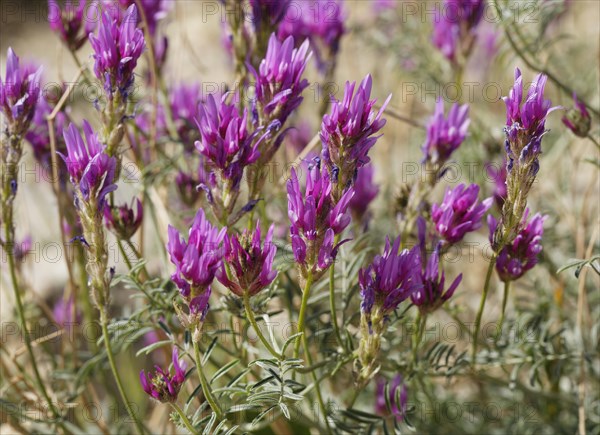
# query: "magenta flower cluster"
{"points": [[19, 93], [459, 213], [250, 264], [90, 168], [73, 22], [349, 131], [445, 134], [315, 219], [522, 253], [164, 385], [117, 48], [279, 82], [124, 220], [454, 22]]}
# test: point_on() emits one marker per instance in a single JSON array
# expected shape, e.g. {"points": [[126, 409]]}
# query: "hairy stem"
{"points": [[204, 382], [252, 320], [302, 315], [184, 418]]}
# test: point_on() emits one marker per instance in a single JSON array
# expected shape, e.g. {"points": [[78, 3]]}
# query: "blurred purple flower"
{"points": [[21, 249], [73, 22], [89, 166], [250, 265], [319, 21], [279, 82], [521, 254], [117, 48], [39, 135], [315, 219], [198, 259], [163, 385], [398, 408], [122, 220], [459, 213], [365, 191], [578, 119], [298, 137], [348, 132], [454, 22], [63, 313], [445, 134], [389, 280], [19, 94], [498, 176], [268, 12], [184, 100]]}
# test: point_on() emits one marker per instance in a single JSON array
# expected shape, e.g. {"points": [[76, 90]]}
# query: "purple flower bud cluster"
{"points": [[279, 82], [184, 100], [348, 132], [117, 48], [319, 21], [123, 221], [250, 264], [164, 385], [525, 123], [316, 218], [397, 400], [19, 94], [454, 25], [445, 134], [90, 168], [521, 255], [196, 260], [390, 279], [73, 22], [577, 119], [459, 213]]}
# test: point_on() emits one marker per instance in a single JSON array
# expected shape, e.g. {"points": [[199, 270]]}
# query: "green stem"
{"points": [[482, 306], [316, 381], [504, 301], [252, 320], [184, 418], [124, 254], [302, 315], [204, 382], [421, 322], [113, 367]]}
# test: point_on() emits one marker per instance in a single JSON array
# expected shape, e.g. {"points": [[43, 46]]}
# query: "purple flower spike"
{"points": [[521, 255], [72, 22], [164, 385], [89, 166], [38, 134], [389, 280], [315, 219], [459, 213], [123, 221], [348, 132], [19, 93], [251, 265], [198, 259], [225, 140], [117, 48], [398, 409], [525, 122], [445, 134], [578, 118], [279, 82], [432, 295]]}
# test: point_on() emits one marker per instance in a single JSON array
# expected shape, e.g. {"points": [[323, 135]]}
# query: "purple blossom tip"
{"points": [[446, 134], [164, 385]]}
